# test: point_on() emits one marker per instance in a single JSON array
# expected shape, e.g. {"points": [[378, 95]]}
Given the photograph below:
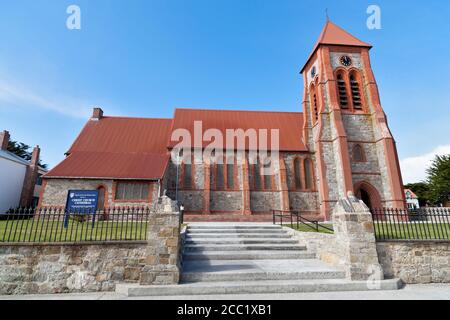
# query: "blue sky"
{"points": [[146, 57]]}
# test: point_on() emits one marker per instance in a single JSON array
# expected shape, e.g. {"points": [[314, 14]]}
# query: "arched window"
{"points": [[267, 176], [358, 154], [298, 173], [356, 94], [230, 175], [220, 179], [342, 91], [257, 185], [309, 183], [187, 179]]}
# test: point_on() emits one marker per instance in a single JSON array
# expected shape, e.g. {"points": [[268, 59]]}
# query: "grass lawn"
{"points": [[54, 231], [412, 230], [399, 231], [305, 228]]}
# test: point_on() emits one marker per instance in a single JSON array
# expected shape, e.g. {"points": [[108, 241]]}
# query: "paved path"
{"points": [[410, 292]]}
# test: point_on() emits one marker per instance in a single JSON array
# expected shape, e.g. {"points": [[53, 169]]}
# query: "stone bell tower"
{"points": [[345, 125]]}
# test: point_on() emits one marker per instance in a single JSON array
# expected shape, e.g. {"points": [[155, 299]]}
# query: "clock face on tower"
{"points": [[346, 61]]}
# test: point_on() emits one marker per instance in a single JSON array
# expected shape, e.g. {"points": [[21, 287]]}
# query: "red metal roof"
{"points": [[335, 35], [289, 124], [118, 147], [109, 165], [121, 134], [137, 148]]}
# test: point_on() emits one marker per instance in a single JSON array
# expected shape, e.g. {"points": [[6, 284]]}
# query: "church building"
{"points": [[340, 143]]}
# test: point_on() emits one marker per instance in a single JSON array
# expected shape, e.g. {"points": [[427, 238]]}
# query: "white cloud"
{"points": [[414, 168], [13, 95]]}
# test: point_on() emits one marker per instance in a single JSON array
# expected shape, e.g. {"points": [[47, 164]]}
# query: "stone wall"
{"points": [[232, 201], [226, 201], [58, 268], [416, 262], [264, 202], [352, 247], [56, 190], [89, 267], [305, 202]]}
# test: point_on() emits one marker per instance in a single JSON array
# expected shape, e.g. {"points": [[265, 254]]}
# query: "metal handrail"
{"points": [[299, 219]]}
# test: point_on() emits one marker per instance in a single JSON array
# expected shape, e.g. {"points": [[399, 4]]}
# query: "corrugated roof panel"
{"points": [[289, 124], [119, 134], [111, 165]]}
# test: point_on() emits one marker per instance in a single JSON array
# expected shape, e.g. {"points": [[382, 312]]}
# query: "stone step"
{"points": [[247, 255], [235, 231], [246, 270], [241, 247], [234, 226], [192, 236], [253, 287], [240, 241]]}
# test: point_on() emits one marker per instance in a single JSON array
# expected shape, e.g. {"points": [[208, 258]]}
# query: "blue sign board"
{"points": [[81, 202]]}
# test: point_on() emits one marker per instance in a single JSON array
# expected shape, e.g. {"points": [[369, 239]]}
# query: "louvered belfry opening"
{"points": [[343, 100], [316, 109], [356, 95]]}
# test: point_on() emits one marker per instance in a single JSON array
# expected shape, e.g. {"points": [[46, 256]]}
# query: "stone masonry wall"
{"points": [[416, 262], [91, 267], [48, 269], [56, 190], [411, 261]]}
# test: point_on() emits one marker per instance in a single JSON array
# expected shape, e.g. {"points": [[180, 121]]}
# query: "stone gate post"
{"points": [[162, 265], [355, 240]]}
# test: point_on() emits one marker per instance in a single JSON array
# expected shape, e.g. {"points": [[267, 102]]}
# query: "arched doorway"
{"points": [[368, 194]]}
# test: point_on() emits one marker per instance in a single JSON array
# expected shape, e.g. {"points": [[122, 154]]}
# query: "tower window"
{"points": [[356, 95], [342, 91], [358, 154]]}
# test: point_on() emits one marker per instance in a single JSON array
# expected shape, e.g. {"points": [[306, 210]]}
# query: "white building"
{"points": [[20, 180], [412, 200]]}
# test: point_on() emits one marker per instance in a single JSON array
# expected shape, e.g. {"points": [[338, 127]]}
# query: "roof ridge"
{"points": [[142, 118], [227, 110]]}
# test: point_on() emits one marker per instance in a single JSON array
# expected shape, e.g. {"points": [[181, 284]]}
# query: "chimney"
{"points": [[35, 156], [4, 140], [97, 114], [29, 182]]}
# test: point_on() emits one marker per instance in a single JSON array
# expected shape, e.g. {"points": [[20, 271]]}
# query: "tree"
{"points": [[439, 179], [422, 191], [22, 150]]}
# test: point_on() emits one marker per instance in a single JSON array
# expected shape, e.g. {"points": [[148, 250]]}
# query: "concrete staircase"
{"points": [[250, 258]]}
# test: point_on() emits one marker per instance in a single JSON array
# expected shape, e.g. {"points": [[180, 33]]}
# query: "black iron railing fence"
{"points": [[57, 225], [418, 224], [295, 219]]}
